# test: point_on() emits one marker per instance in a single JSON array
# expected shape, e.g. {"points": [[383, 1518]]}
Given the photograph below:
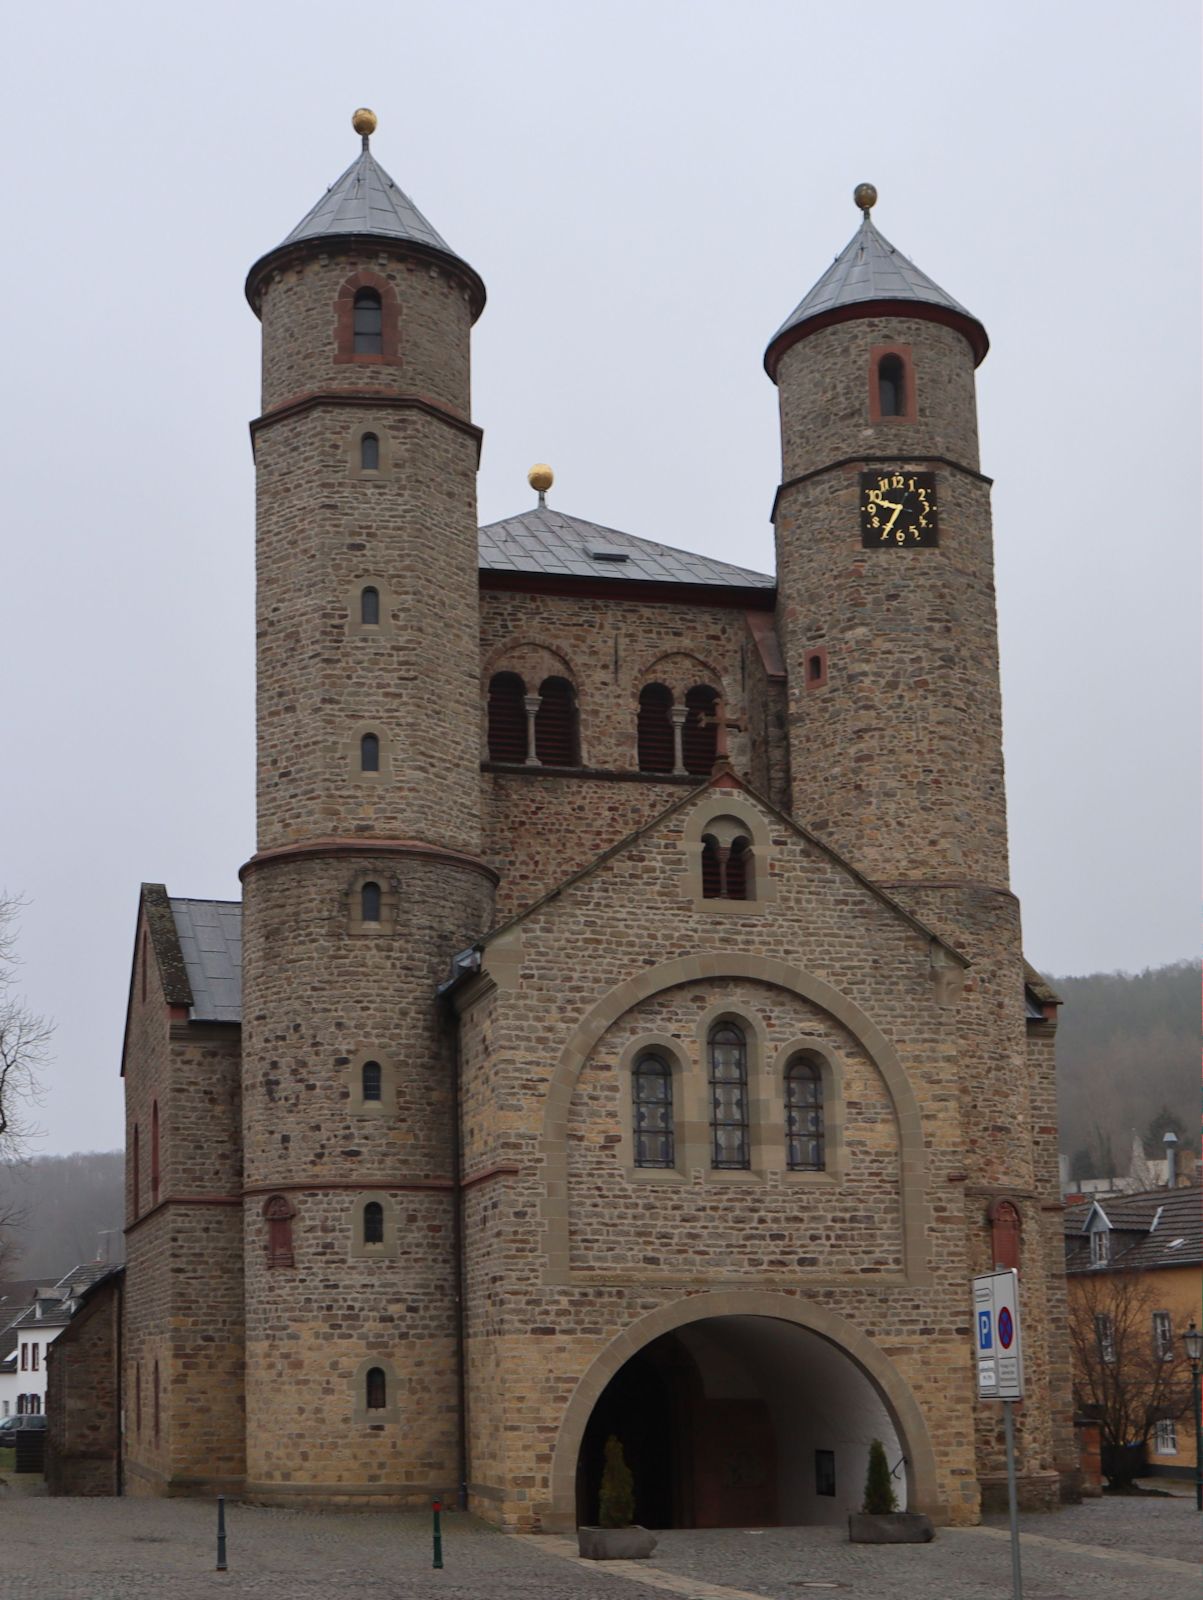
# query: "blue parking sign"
{"points": [[985, 1332]]}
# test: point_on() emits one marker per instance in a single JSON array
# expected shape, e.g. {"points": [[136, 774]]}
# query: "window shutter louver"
{"points": [[507, 718], [701, 730], [555, 724], [655, 729], [737, 871], [712, 877]]}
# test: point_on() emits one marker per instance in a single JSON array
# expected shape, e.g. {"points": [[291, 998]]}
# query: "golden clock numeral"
{"points": [[877, 522], [910, 483], [897, 483], [883, 484], [900, 536]]}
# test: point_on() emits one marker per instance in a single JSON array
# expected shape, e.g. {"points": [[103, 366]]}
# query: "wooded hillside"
{"points": [[1127, 1059], [66, 1210]]}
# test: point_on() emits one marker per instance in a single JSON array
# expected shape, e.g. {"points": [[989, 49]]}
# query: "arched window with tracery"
{"points": [[555, 724], [805, 1141], [726, 868], [375, 1389], [655, 729], [278, 1213], [507, 718], [652, 1094], [727, 1049], [699, 741], [891, 386], [371, 1080], [373, 1223], [369, 902], [369, 452], [367, 323]]}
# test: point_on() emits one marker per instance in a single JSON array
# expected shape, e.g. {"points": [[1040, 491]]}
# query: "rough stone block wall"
{"points": [[83, 1407]]}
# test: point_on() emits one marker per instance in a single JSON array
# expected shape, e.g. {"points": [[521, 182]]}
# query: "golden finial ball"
{"points": [[541, 477], [865, 196], [364, 121]]}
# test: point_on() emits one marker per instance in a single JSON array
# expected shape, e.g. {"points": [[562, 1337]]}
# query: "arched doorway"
{"points": [[740, 1421]]}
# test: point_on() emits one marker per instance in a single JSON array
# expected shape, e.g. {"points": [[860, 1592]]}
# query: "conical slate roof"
{"points": [[870, 270], [365, 203]]}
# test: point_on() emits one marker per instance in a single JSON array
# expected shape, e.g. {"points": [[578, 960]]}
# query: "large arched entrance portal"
{"points": [[740, 1421]]}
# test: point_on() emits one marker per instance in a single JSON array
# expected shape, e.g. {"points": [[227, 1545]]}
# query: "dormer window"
{"points": [[367, 323], [1100, 1247]]}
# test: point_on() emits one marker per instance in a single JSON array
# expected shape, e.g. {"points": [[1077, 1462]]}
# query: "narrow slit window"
{"points": [[804, 1136], [156, 1402], [369, 902], [555, 724], [507, 718], [655, 729], [369, 753], [730, 1142], [700, 734], [376, 1389], [369, 607], [136, 1175], [652, 1092], [154, 1153], [373, 1223], [368, 323], [369, 453], [891, 386], [372, 1080]]}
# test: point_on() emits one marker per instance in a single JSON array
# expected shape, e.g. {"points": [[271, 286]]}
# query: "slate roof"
{"points": [[210, 936], [869, 268], [366, 200], [1155, 1228], [554, 544]]}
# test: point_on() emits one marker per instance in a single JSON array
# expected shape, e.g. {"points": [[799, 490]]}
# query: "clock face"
{"points": [[898, 510]]}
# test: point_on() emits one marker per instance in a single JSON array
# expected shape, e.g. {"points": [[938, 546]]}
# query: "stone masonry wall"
{"points": [[83, 1440], [545, 1303]]}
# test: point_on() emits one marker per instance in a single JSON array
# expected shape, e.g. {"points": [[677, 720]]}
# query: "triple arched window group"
{"points": [[654, 1115]]}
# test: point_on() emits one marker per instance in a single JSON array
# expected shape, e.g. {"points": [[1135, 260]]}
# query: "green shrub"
{"points": [[879, 1486], [616, 1502]]}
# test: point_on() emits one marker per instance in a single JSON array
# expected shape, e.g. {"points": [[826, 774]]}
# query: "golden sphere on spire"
{"points": [[541, 477], [364, 121], [865, 196]]}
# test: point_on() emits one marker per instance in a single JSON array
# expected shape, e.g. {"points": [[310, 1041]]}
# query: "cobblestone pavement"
{"points": [[165, 1549]]}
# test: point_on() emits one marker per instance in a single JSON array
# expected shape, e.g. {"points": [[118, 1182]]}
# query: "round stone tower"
{"points": [[367, 877], [886, 616]]}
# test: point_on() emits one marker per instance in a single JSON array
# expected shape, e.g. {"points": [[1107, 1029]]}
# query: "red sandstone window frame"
{"points": [[814, 667], [1006, 1228], [278, 1213], [344, 322], [910, 407]]}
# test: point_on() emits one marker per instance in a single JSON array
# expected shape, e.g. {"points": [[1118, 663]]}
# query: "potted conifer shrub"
{"points": [[617, 1536], [880, 1521]]}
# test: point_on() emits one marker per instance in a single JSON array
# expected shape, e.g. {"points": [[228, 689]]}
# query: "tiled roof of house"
{"points": [[1155, 1228], [210, 937], [554, 544]]}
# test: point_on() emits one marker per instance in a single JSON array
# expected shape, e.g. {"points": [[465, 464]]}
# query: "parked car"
{"points": [[12, 1426]]}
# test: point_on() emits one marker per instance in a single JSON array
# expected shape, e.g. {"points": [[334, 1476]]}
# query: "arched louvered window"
{"points": [[652, 1093], [700, 734], [555, 724], [373, 1223], [154, 1153], [367, 323], [369, 902], [507, 718], [369, 607], [376, 1390], [278, 1214], [655, 729], [369, 753], [804, 1138], [712, 871], [371, 1079], [891, 386], [730, 1142], [738, 864], [369, 452]]}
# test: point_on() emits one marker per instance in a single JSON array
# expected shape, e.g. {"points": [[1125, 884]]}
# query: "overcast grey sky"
{"points": [[647, 190]]}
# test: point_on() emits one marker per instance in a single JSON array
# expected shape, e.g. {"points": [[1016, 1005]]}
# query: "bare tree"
{"points": [[1125, 1374], [24, 1040]]}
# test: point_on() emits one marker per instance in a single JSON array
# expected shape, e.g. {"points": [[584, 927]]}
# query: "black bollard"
{"points": [[221, 1533], [438, 1536]]}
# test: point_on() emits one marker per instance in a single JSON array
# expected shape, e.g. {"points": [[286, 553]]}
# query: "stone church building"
{"points": [[625, 1027]]}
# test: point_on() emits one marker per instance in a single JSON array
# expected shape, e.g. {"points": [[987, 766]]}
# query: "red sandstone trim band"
{"points": [[489, 1172], [396, 399], [181, 1200], [871, 456], [863, 310], [414, 1186], [336, 846]]}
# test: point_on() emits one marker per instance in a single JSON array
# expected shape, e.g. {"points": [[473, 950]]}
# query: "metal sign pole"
{"points": [[1012, 1501]]}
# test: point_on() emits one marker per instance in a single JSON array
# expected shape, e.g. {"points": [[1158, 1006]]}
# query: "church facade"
{"points": [[625, 1028]]}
